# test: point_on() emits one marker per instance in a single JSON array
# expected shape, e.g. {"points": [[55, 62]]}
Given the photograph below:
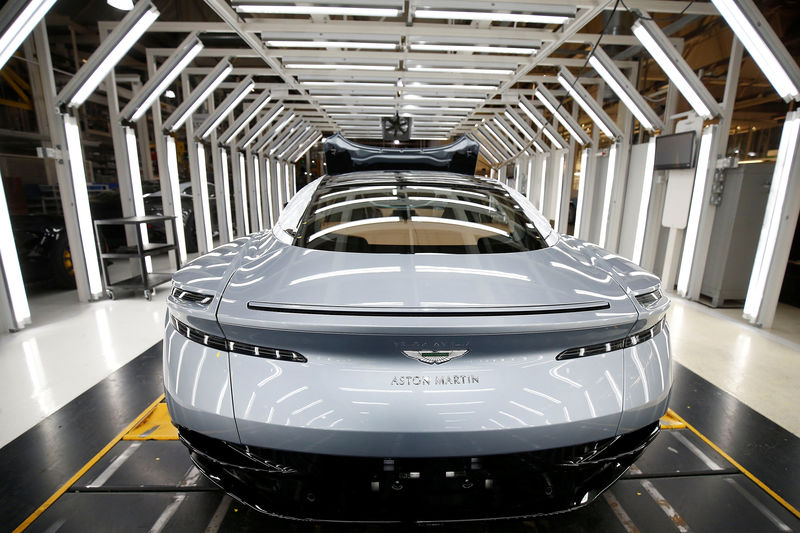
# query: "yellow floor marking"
{"points": [[742, 469], [57, 494], [672, 421], [155, 426], [156, 417]]}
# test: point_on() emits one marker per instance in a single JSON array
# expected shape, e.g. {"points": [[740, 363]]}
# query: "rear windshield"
{"points": [[407, 218]]}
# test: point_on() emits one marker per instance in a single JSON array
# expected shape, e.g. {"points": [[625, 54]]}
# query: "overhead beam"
{"points": [[229, 16]]}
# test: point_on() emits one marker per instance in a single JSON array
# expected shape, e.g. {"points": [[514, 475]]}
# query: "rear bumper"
{"points": [[310, 486]]}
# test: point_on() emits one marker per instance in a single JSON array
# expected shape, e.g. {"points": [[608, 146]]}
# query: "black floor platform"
{"points": [[679, 484]]}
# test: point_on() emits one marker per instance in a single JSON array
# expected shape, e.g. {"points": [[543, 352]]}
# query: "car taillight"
{"points": [[189, 296], [627, 342], [220, 343], [650, 298]]}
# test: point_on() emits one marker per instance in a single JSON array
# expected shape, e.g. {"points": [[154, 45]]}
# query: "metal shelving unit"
{"points": [[144, 281]]}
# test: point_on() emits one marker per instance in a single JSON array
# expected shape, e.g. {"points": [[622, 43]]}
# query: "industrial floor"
{"points": [[71, 464]]}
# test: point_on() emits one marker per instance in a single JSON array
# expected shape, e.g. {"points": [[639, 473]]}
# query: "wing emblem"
{"points": [[434, 357]]}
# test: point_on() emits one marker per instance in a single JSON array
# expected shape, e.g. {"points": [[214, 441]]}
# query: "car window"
{"points": [[407, 217]]}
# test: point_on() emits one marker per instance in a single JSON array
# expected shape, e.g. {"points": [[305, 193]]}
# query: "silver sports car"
{"points": [[414, 345]]}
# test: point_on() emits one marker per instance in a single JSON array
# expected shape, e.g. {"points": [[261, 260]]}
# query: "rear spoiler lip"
{"points": [[343, 156], [476, 311]]}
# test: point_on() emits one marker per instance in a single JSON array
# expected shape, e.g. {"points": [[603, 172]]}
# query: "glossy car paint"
{"points": [[359, 395]]}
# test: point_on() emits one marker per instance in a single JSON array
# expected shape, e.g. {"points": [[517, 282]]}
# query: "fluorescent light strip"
{"points": [[101, 71], [346, 84], [199, 96], [516, 124], [261, 125], [162, 78], [457, 70], [354, 97], [333, 44], [589, 105], [773, 217], [585, 153], [644, 202], [497, 137], [538, 121], [508, 133], [223, 155], [81, 197], [293, 144], [461, 87], [671, 70], [16, 33], [317, 10], [489, 15], [247, 115], [227, 105], [438, 110], [472, 48], [609, 189], [457, 100], [751, 33], [556, 111], [307, 148], [9, 262], [559, 188], [695, 208], [270, 136], [621, 94], [542, 183], [337, 66]]}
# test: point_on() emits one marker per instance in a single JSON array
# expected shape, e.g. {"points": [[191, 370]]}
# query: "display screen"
{"points": [[675, 151]]}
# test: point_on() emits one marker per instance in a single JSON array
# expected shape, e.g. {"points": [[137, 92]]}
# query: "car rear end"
{"points": [[355, 386]]}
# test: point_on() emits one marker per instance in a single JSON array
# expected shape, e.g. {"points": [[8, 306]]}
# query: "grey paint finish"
{"points": [[358, 394], [197, 387]]}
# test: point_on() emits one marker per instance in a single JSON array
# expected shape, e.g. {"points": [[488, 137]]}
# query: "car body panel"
{"points": [[414, 357]]}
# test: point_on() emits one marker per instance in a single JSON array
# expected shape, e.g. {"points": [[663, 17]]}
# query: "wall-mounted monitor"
{"points": [[675, 151]]}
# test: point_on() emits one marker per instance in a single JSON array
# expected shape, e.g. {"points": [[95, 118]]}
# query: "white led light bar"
{"points": [[459, 70], [19, 18], [245, 117], [588, 104], [695, 208], [518, 122], [764, 46], [566, 120], [780, 220], [507, 131], [611, 173], [9, 262], [292, 121], [308, 147], [499, 139], [676, 68], [337, 66], [224, 109], [317, 10], [472, 48], [333, 44], [198, 96], [538, 119], [261, 125], [500, 154], [460, 87], [108, 54], [624, 89], [532, 18], [163, 77], [644, 202]]}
